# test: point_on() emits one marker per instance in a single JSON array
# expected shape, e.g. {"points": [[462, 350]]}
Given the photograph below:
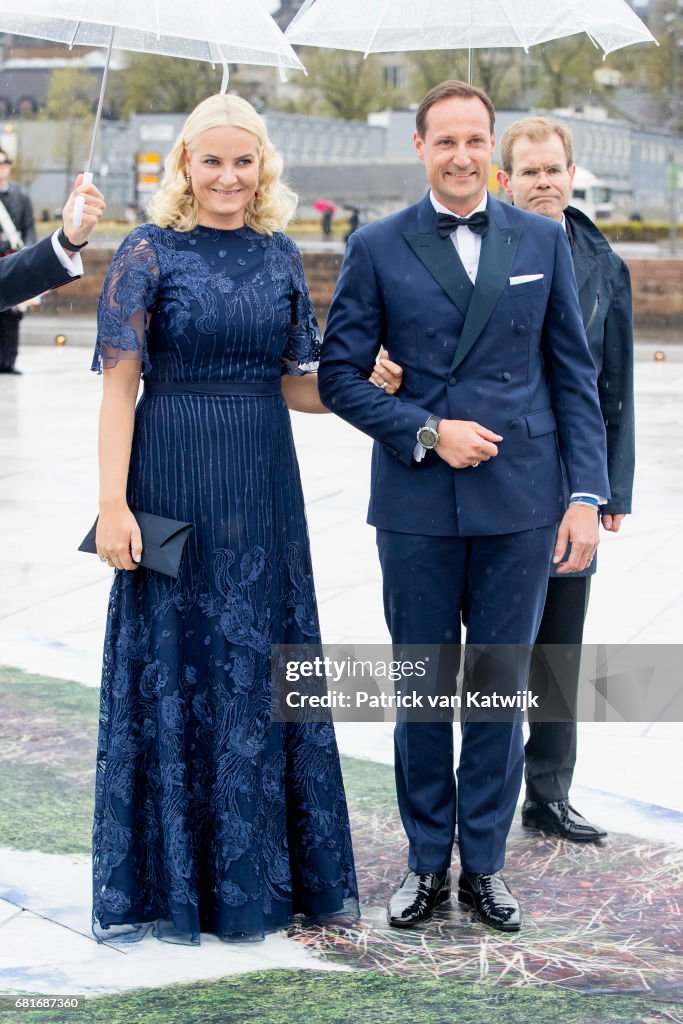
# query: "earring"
{"points": [[188, 179]]}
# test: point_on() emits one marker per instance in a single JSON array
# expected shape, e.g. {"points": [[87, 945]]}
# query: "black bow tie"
{"points": [[446, 223]]}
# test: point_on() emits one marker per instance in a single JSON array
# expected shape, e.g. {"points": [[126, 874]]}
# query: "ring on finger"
{"points": [[104, 558], [475, 464]]}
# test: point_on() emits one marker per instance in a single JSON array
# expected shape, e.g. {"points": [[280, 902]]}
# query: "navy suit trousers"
{"points": [[497, 586]]}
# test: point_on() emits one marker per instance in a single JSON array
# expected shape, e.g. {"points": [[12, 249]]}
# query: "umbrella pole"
{"points": [[469, 66], [87, 173]]}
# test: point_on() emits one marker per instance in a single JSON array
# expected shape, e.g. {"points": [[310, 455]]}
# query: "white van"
{"points": [[592, 195]]}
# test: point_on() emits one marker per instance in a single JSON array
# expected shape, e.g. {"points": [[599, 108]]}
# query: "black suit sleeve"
{"points": [[29, 272], [615, 387]]}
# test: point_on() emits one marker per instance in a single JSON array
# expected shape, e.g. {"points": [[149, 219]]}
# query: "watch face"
{"points": [[427, 437]]}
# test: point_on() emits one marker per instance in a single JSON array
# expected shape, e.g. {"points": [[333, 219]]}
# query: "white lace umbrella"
{"points": [[380, 26], [218, 32]]}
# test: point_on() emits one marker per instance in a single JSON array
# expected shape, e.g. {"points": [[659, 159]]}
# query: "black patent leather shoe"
{"points": [[491, 900], [418, 896], [560, 819]]}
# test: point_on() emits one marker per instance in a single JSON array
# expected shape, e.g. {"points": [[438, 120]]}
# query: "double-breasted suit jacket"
{"points": [[510, 353]]}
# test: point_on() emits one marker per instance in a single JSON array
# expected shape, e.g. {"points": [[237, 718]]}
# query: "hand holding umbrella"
{"points": [[91, 203]]}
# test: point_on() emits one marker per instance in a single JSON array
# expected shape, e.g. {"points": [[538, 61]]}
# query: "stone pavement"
{"points": [[52, 610]]}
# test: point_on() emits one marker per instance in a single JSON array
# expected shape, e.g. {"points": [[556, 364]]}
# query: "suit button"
{"points": [[520, 329], [513, 423], [392, 451], [430, 332], [506, 375], [452, 380]]}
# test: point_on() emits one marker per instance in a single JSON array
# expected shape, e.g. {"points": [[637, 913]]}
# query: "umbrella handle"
{"points": [[80, 201]]}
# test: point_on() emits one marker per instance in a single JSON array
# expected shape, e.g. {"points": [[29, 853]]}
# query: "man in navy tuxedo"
{"points": [[54, 261], [477, 301]]}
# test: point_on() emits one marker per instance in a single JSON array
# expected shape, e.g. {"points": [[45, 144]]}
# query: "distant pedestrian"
{"points": [[354, 222], [326, 224], [17, 229]]}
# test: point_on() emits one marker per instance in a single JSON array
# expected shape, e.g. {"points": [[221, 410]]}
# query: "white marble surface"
{"points": [[53, 602], [46, 945]]}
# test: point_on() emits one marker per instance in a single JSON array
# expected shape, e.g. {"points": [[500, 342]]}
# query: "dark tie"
{"points": [[446, 223]]}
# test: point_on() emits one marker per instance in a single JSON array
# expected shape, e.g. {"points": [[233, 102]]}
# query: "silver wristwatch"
{"points": [[427, 438]]}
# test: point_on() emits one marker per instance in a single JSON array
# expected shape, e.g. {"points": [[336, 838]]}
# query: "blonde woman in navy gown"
{"points": [[208, 816]]}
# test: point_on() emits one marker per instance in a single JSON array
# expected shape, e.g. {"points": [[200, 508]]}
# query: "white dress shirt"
{"points": [[71, 261], [466, 242]]}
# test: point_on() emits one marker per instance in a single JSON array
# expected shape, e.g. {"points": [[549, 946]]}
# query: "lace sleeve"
{"points": [[128, 294], [303, 347]]}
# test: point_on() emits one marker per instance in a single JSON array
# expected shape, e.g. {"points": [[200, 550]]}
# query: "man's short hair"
{"points": [[537, 129], [446, 91]]}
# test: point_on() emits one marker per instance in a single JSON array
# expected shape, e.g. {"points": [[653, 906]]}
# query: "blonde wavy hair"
{"points": [[175, 206]]}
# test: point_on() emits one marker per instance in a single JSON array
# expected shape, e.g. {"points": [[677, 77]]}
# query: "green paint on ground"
{"points": [[48, 734], [47, 756], [313, 997]]}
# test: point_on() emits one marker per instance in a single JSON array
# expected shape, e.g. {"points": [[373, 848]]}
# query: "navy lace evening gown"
{"points": [[209, 817]]}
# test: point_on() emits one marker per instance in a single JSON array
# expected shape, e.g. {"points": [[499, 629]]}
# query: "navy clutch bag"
{"points": [[163, 541]]}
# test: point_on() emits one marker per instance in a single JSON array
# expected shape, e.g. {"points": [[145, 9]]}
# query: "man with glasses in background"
{"points": [[537, 173]]}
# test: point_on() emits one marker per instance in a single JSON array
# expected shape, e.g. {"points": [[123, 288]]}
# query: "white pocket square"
{"points": [[525, 278]]}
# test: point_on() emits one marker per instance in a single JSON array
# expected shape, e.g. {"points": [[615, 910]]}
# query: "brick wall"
{"points": [[657, 292], [657, 287]]}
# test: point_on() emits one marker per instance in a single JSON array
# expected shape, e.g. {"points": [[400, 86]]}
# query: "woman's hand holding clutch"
{"points": [[118, 539]]}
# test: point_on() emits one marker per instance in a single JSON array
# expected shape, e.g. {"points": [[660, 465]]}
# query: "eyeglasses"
{"points": [[535, 172]]}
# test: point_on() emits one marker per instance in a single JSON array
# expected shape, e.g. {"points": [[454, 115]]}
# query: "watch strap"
{"points": [[67, 244], [419, 451]]}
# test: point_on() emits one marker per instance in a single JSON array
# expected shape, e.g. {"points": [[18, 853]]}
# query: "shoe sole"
{"points": [[559, 835], [466, 900], [441, 899]]}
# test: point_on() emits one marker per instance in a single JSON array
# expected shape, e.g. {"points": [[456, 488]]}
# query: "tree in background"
{"points": [[70, 99], [164, 85], [661, 68], [71, 94], [566, 72], [497, 72], [344, 84], [429, 67]]}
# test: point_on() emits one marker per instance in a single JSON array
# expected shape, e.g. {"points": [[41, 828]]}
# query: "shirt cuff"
{"points": [[585, 494], [71, 261]]}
